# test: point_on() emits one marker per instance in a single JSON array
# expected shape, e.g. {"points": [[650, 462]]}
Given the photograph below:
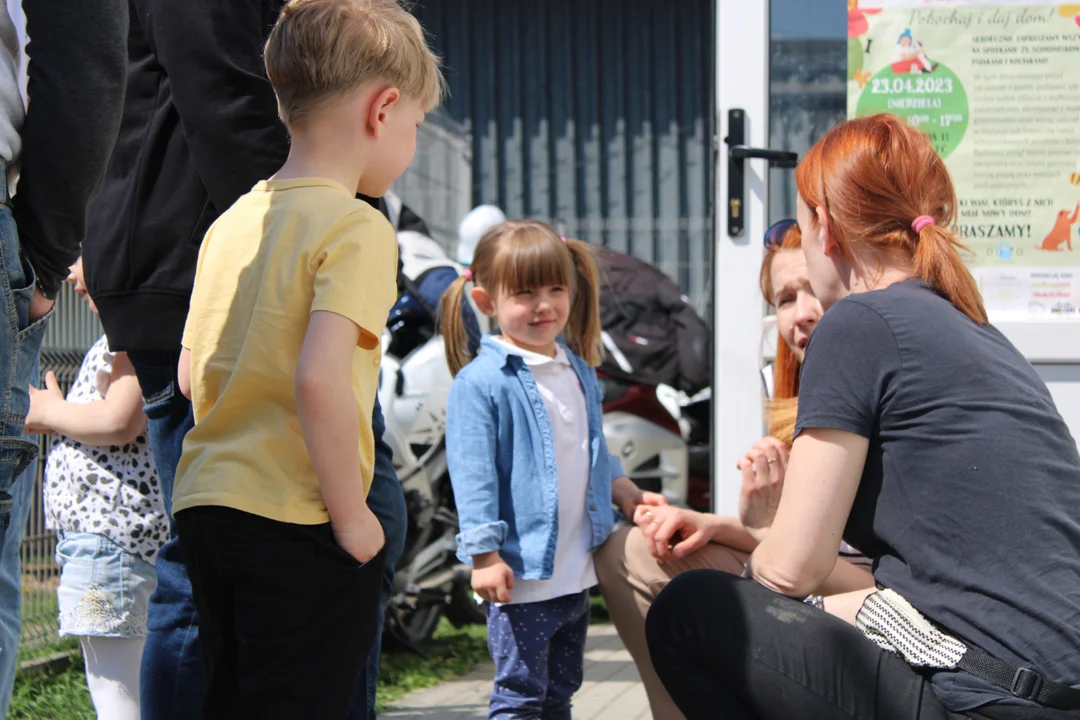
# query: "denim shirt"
{"points": [[501, 457]]}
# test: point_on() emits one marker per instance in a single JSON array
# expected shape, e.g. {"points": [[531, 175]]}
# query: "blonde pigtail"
{"points": [[452, 326], [583, 329]]}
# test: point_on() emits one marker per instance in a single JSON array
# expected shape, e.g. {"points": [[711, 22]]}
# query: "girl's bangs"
{"points": [[534, 259]]}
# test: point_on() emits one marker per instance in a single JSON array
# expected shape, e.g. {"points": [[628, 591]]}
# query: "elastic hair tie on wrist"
{"points": [[920, 222]]}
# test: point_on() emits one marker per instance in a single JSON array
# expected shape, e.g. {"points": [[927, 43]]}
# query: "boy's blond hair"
{"points": [[322, 49]]}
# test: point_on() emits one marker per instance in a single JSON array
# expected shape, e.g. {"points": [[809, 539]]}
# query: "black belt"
{"points": [[1021, 682]]}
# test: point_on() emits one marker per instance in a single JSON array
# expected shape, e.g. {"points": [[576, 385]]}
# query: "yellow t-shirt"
{"points": [[284, 250]]}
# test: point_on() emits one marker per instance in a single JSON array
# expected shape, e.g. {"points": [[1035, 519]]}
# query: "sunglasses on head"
{"points": [[774, 236]]}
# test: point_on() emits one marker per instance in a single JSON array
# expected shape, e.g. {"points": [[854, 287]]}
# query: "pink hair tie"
{"points": [[920, 222], [563, 238], [468, 275]]}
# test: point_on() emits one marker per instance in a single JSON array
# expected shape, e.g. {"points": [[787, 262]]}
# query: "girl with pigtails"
{"points": [[532, 477]]}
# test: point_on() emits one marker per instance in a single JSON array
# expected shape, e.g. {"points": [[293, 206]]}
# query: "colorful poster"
{"points": [[996, 87]]}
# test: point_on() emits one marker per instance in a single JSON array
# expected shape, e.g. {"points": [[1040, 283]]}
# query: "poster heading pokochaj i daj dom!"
{"points": [[996, 86]]}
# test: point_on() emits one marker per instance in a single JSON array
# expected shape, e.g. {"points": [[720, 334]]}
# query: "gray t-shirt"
{"points": [[970, 500]]}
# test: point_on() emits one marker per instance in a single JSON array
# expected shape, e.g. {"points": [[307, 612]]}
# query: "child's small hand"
{"points": [[41, 401], [492, 578], [629, 497], [363, 538]]}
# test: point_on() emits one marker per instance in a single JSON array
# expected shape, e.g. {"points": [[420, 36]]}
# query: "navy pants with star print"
{"points": [[539, 654]]}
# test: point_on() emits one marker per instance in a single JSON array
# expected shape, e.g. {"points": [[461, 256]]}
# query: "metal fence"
{"points": [[593, 115], [40, 573], [72, 330]]}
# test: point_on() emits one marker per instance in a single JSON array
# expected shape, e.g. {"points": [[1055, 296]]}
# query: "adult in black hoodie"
{"points": [[200, 128]]}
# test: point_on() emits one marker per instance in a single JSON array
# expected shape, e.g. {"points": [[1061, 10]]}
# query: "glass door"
{"points": [[807, 84]]}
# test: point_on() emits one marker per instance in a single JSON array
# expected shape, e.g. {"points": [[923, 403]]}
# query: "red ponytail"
{"points": [[874, 176]]}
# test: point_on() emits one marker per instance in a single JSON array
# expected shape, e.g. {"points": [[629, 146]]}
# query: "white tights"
{"points": [[112, 674]]}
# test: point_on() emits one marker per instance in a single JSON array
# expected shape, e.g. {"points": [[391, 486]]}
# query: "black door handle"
{"points": [[738, 153], [776, 158]]}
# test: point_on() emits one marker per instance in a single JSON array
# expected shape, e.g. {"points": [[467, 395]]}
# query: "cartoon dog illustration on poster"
{"points": [[1061, 233]]}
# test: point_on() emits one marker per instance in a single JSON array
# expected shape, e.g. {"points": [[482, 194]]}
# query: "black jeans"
{"points": [[730, 648], [287, 617]]}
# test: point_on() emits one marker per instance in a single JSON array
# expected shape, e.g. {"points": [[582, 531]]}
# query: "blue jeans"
{"points": [[539, 654], [173, 686], [104, 589], [22, 493], [387, 501], [20, 347]]}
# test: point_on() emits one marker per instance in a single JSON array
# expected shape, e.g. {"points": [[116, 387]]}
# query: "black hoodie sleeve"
{"points": [[212, 53], [77, 74]]}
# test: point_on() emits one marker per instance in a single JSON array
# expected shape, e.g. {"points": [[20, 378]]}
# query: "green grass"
{"points": [[451, 653], [40, 619], [62, 694], [40, 624], [52, 695]]}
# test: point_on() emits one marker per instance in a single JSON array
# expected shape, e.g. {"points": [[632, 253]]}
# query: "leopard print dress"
{"points": [[112, 491]]}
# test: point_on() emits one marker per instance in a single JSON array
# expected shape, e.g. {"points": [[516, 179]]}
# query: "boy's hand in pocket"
{"points": [[492, 578], [363, 538]]}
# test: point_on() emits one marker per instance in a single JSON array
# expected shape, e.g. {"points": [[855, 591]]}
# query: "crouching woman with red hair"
{"points": [[926, 440]]}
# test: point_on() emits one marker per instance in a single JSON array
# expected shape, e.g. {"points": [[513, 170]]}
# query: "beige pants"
{"points": [[631, 578]]}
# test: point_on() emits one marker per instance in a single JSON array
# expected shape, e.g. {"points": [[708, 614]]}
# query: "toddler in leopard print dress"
{"points": [[103, 500]]}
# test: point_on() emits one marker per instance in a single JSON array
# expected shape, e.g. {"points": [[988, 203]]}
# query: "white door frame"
{"points": [[742, 81]]}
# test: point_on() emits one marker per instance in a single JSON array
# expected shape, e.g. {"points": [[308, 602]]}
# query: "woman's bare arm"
{"points": [[800, 530]]}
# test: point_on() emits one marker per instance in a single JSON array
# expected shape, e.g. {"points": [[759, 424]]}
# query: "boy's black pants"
{"points": [[287, 617]]}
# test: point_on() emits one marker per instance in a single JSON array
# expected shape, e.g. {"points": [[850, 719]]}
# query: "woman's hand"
{"points": [[41, 404], [665, 524], [763, 470]]}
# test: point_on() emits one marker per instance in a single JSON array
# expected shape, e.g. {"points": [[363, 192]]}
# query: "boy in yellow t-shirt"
{"points": [[281, 361]]}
